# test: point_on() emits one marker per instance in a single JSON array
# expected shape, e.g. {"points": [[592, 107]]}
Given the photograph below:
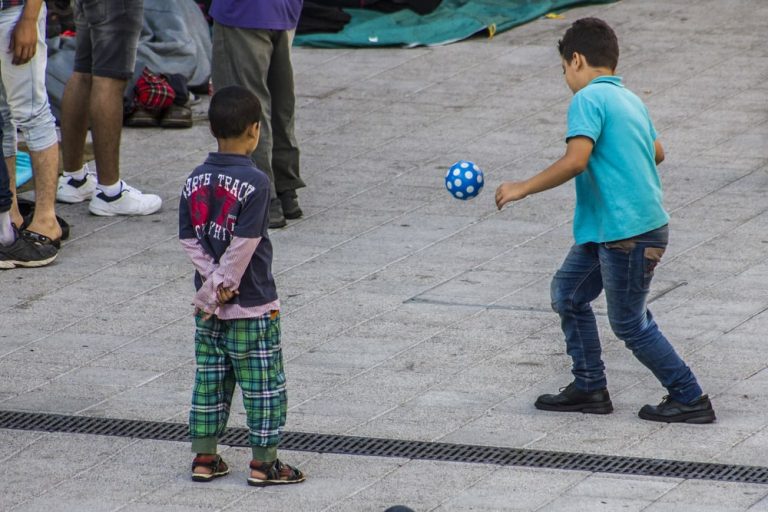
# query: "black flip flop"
{"points": [[41, 239], [27, 210]]}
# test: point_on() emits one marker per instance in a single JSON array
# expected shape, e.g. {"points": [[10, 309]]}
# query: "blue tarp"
{"points": [[23, 168], [452, 21]]}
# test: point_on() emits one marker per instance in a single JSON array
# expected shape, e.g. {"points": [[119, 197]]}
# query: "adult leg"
{"points": [[45, 164], [10, 164], [77, 184], [74, 120], [285, 148], [112, 195], [7, 233], [231, 47], [106, 114], [17, 250], [107, 51], [27, 98], [627, 269], [7, 21], [107, 39]]}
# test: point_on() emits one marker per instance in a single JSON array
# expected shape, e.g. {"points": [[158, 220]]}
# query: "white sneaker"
{"points": [[73, 191], [129, 201]]}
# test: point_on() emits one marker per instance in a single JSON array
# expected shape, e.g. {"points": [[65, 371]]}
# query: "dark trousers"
{"points": [[6, 197], [260, 60]]}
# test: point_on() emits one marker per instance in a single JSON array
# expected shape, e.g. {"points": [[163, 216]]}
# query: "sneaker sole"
{"points": [[69, 194], [9, 264], [71, 200], [109, 213], [593, 408], [697, 418]]}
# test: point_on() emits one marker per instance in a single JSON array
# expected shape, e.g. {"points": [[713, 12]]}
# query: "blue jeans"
{"points": [[624, 269], [6, 197]]}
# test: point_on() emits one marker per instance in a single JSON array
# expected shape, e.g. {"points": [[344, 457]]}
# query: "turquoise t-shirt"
{"points": [[618, 195]]}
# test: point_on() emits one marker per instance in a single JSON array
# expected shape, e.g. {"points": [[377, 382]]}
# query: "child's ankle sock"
{"points": [[7, 233], [111, 190]]}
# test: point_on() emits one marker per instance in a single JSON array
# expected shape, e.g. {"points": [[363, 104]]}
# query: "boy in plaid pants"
{"points": [[223, 220]]}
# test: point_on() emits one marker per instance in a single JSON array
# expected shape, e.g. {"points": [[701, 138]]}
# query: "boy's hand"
{"points": [[206, 315], [224, 295], [510, 191]]}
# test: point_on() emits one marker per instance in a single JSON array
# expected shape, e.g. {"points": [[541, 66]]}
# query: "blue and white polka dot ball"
{"points": [[464, 180]]}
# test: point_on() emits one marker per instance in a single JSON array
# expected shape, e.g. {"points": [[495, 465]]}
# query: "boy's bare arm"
{"points": [[659, 151], [567, 167]]}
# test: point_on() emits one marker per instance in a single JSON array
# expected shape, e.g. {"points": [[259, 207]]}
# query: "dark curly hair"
{"points": [[594, 39], [233, 109]]}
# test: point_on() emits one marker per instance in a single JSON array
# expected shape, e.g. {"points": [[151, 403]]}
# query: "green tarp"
{"points": [[452, 21]]}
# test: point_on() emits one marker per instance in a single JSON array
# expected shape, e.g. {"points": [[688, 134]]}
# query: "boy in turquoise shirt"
{"points": [[620, 230]]}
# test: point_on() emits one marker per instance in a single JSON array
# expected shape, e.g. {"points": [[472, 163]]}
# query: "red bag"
{"points": [[153, 92]]}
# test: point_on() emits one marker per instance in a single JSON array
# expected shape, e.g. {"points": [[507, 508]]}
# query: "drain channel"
{"points": [[417, 450]]}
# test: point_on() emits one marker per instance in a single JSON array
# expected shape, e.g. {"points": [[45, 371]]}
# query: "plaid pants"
{"points": [[246, 352]]}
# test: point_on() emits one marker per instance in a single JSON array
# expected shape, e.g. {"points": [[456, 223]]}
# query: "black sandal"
{"points": [[276, 473], [27, 210], [213, 462], [41, 239]]}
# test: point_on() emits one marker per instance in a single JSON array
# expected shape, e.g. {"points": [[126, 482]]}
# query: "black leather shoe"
{"points": [[276, 217], [290, 203], [672, 411], [571, 399], [177, 116]]}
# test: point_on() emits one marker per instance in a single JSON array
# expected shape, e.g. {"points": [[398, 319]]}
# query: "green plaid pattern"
{"points": [[247, 352]]}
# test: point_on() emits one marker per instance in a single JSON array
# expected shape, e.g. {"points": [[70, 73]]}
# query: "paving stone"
{"points": [[407, 314]]}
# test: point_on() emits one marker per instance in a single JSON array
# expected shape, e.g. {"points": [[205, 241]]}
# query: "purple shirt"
{"points": [[258, 14], [7, 4]]}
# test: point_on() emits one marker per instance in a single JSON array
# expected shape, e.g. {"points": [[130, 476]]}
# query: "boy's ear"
{"points": [[254, 129], [578, 61]]}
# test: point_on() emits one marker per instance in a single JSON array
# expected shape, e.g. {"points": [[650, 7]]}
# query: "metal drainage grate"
{"points": [[418, 450]]}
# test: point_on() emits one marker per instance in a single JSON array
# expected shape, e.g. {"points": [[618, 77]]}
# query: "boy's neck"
{"points": [[593, 73], [235, 146], [589, 73]]}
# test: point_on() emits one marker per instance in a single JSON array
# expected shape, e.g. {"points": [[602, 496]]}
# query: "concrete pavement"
{"points": [[411, 315]]}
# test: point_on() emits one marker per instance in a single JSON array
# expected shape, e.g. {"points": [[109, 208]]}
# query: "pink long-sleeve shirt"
{"points": [[227, 273]]}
